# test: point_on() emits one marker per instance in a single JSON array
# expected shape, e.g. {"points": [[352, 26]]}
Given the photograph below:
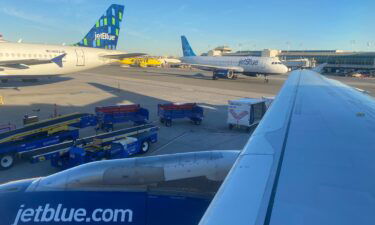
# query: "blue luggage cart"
{"points": [[110, 115], [170, 111]]}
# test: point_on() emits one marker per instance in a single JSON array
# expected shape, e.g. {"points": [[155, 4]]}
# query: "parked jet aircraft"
{"points": [[97, 48], [229, 66], [310, 161]]}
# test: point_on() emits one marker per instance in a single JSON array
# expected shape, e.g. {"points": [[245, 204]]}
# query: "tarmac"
{"points": [[111, 85]]}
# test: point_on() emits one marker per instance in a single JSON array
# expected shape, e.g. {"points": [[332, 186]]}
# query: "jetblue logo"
{"points": [[248, 61], [61, 214], [105, 36]]}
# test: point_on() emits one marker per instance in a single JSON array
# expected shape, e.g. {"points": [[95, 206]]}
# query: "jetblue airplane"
{"points": [[97, 48], [310, 161], [228, 66]]}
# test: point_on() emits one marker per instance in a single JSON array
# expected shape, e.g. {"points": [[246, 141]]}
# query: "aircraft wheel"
{"points": [[6, 161]]}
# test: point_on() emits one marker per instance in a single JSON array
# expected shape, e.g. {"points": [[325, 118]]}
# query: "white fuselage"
{"points": [[76, 59], [245, 65]]}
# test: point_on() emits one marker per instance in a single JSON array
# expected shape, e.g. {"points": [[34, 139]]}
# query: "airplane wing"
{"points": [[212, 68], [123, 56], [310, 161], [25, 63]]}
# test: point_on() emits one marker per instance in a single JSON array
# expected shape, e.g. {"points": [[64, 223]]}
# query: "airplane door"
{"points": [[80, 57]]}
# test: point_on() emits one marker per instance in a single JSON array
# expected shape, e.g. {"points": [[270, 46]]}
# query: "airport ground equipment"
{"points": [[7, 127], [117, 144], [40, 134], [142, 62], [50, 126], [246, 112], [170, 111], [110, 115], [10, 151], [30, 119]]}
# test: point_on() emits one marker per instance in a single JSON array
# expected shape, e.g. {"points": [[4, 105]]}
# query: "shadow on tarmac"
{"points": [[17, 82]]}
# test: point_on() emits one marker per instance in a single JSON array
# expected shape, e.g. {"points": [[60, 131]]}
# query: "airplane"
{"points": [[97, 48], [230, 66], [309, 161]]}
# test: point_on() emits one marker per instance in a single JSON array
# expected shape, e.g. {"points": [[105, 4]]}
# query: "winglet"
{"points": [[58, 60]]}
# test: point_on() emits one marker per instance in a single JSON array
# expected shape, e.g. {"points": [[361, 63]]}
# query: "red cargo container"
{"points": [[118, 109]]}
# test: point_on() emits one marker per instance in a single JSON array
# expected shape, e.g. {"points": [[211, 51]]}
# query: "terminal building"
{"points": [[339, 62]]}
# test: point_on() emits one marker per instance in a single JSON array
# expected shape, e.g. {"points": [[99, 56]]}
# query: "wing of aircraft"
{"points": [[123, 56], [26, 63], [212, 68], [310, 161]]}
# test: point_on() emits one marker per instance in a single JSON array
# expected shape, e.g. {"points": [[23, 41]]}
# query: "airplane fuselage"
{"points": [[76, 59], [245, 65]]}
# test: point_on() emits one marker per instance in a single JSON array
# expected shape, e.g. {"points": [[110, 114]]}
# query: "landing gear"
{"points": [[266, 78]]}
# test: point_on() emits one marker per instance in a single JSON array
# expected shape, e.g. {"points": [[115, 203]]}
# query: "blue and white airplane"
{"points": [[230, 66], [310, 161], [97, 48]]}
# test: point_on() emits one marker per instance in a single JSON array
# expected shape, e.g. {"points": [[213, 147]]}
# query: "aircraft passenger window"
{"points": [[6, 54], [40, 56], [24, 55], [1, 54], [18, 55], [30, 56]]}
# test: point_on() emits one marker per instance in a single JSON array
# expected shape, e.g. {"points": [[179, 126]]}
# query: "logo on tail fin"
{"points": [[106, 30]]}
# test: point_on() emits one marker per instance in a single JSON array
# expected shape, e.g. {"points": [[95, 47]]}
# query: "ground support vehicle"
{"points": [[11, 151], [171, 111], [110, 115], [246, 112], [118, 144]]}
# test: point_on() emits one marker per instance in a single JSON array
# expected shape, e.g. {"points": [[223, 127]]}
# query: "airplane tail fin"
{"points": [[105, 32], [186, 48]]}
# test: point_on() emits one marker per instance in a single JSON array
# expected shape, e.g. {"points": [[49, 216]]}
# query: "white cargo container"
{"points": [[247, 112]]}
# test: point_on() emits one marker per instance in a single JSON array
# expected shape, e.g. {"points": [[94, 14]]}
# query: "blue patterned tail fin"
{"points": [[186, 48], [105, 32]]}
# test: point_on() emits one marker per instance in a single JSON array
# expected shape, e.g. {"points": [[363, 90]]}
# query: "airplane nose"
{"points": [[284, 69]]}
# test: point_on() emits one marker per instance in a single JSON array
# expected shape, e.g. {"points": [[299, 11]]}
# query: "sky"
{"points": [[154, 27]]}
